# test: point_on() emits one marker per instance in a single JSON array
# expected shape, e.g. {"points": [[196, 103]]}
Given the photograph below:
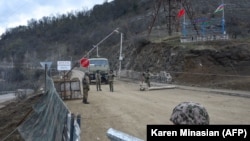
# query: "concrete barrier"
{"points": [[115, 135], [161, 87]]}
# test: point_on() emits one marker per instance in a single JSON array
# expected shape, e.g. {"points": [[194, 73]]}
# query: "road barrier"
{"points": [[68, 89], [115, 135]]}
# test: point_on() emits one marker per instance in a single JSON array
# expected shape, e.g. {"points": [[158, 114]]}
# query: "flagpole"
{"points": [[223, 19], [185, 23]]}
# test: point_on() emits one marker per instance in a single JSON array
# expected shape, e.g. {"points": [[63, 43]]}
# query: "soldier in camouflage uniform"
{"points": [[147, 77], [190, 113], [111, 80], [85, 85], [98, 80]]}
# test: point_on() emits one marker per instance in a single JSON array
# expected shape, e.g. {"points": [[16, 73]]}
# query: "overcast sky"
{"points": [[17, 12]]}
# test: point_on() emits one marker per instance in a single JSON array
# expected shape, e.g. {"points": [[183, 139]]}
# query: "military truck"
{"points": [[101, 64]]}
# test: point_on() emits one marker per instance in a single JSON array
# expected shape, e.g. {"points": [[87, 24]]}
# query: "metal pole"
{"points": [[120, 57], [64, 82], [223, 19], [169, 18], [97, 55], [79, 119], [45, 78], [72, 126]]}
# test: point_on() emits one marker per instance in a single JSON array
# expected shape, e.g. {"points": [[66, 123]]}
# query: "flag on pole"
{"points": [[181, 13], [219, 8]]}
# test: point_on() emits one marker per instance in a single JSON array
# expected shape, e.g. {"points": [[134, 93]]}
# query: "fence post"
{"points": [[77, 129], [72, 126], [79, 120]]}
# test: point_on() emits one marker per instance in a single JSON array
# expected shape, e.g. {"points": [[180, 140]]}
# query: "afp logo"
{"points": [[234, 133]]}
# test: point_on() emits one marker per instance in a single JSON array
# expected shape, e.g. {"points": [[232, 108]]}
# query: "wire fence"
{"points": [[50, 119]]}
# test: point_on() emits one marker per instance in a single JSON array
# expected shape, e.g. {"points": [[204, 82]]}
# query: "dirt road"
{"points": [[129, 110]]}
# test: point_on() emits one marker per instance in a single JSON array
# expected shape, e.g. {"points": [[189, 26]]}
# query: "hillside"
{"points": [[71, 36], [216, 64]]}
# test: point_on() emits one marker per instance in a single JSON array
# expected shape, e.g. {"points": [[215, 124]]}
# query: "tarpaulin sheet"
{"points": [[49, 118]]}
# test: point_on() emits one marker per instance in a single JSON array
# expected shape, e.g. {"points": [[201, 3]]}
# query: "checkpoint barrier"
{"points": [[115, 135], [68, 89]]}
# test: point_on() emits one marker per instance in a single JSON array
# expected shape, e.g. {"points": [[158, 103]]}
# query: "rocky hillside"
{"points": [[216, 64], [71, 36]]}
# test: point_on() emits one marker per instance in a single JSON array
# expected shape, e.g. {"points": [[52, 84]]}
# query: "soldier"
{"points": [[98, 80], [147, 77], [85, 85], [111, 80], [142, 87], [190, 113]]}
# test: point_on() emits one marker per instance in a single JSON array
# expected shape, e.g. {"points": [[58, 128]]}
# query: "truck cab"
{"points": [[101, 64]]}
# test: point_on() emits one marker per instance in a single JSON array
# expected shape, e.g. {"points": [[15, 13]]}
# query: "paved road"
{"points": [[129, 110], [6, 97]]}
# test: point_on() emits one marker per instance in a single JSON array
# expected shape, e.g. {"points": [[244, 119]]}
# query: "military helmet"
{"points": [[190, 113]]}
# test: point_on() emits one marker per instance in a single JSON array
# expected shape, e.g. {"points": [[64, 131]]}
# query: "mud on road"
{"points": [[129, 110]]}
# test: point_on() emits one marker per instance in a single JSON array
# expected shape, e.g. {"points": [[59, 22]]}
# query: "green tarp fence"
{"points": [[51, 119]]}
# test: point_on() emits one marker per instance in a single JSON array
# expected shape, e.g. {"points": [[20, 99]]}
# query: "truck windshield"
{"points": [[99, 62]]}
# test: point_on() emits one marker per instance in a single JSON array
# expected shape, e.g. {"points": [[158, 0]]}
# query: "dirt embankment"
{"points": [[12, 115]]}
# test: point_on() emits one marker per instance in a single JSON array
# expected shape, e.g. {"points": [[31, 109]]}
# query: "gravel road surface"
{"points": [[129, 110]]}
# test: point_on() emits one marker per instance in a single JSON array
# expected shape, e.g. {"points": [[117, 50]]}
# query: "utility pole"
{"points": [[169, 18], [223, 19], [120, 57], [97, 54]]}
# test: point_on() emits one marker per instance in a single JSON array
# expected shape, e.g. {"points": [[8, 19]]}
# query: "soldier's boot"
{"points": [[85, 101], [112, 88]]}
